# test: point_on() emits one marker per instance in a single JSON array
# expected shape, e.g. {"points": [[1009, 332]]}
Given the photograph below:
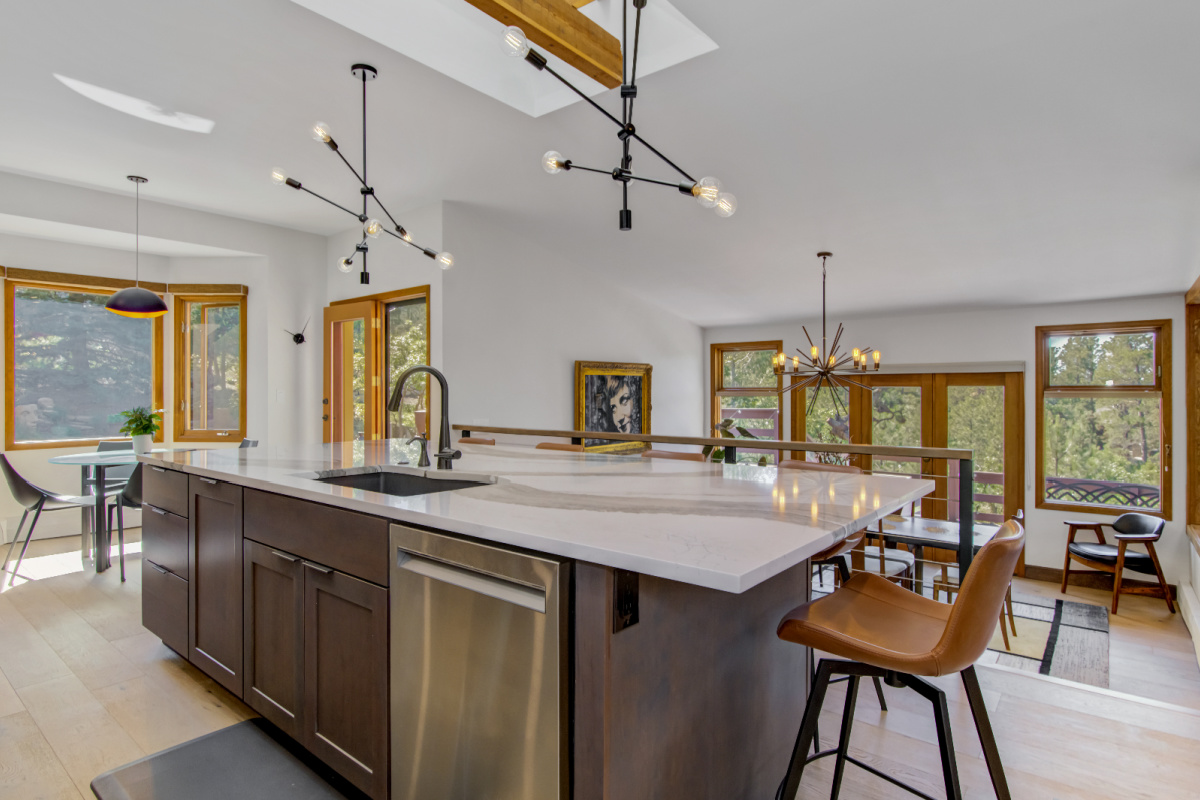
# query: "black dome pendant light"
{"points": [[134, 301]]}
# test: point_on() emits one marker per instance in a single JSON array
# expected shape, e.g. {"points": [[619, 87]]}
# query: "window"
{"points": [[1104, 417], [369, 342], [745, 389], [210, 368], [75, 365]]}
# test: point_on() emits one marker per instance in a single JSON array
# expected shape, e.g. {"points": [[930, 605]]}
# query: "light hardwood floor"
{"points": [[84, 688]]}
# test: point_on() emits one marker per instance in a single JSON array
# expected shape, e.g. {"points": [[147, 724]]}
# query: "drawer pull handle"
{"points": [[156, 510], [158, 469], [318, 568], [209, 480], [285, 556], [163, 570]]}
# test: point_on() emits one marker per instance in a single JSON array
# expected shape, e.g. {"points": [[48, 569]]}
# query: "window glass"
{"points": [[76, 365], [213, 343], [896, 421], [759, 415], [976, 422], [748, 369], [1105, 359], [407, 346], [1102, 450], [828, 422]]}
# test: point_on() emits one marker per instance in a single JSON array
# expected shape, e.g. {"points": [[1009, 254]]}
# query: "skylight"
{"points": [[142, 109]]}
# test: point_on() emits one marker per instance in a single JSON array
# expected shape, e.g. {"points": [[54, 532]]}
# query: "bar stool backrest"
{"points": [[1139, 525], [973, 617], [22, 490], [816, 466]]}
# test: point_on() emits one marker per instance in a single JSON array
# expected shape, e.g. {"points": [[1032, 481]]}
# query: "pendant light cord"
{"points": [[137, 234]]}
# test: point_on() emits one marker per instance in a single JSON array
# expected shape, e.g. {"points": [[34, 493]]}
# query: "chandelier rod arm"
{"points": [[625, 110], [406, 241], [327, 200], [652, 180], [837, 338], [637, 35], [591, 169], [668, 161], [806, 336], [593, 103], [816, 393], [800, 384], [360, 178]]}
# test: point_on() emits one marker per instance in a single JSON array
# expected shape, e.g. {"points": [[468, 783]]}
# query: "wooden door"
{"points": [[352, 366], [345, 676], [274, 636], [215, 580]]}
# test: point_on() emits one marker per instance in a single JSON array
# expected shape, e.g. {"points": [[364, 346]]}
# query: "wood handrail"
{"points": [[748, 444]]}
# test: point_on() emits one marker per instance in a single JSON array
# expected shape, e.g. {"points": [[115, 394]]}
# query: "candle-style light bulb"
{"points": [[832, 359], [876, 356], [795, 362], [857, 354], [815, 353]]}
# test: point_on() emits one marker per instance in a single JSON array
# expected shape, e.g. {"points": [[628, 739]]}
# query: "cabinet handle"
{"points": [[318, 567], [210, 481], [158, 469], [285, 556], [156, 510], [163, 570]]}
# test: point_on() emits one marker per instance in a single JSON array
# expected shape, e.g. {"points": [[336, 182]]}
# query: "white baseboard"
{"points": [[1189, 606]]}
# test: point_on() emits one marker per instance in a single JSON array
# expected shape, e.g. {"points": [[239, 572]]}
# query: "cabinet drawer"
{"points": [[165, 539], [356, 544], [165, 606], [166, 489]]}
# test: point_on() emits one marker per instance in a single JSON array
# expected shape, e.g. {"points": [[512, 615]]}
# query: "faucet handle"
{"points": [[451, 454], [424, 459]]}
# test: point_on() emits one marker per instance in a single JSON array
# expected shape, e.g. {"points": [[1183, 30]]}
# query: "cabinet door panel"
{"points": [[274, 636], [166, 488], [215, 581], [345, 676], [165, 606], [165, 539]]}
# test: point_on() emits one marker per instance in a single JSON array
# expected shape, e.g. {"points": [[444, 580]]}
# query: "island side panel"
{"points": [[699, 699]]}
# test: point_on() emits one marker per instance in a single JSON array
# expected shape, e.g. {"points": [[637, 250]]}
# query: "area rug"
{"points": [[1059, 638]]}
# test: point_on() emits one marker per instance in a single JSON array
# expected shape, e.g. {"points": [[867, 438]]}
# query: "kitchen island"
{"points": [[626, 651]]}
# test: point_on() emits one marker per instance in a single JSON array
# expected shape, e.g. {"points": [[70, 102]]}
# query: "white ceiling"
{"points": [[56, 231], [950, 153]]}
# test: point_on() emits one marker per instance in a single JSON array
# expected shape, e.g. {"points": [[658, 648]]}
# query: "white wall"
{"points": [[1007, 335], [286, 280], [518, 317]]}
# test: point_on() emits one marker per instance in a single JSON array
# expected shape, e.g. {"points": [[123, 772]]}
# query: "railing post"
{"points": [[730, 455], [966, 517]]}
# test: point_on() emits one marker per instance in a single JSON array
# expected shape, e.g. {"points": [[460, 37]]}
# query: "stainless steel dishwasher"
{"points": [[478, 671]]}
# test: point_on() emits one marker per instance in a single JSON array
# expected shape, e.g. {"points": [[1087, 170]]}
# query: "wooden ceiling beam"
{"points": [[557, 27]]}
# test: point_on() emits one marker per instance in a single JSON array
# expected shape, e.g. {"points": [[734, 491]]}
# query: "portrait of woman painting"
{"points": [[612, 398]]}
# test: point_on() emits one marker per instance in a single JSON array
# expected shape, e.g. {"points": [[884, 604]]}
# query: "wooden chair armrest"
{"points": [[1074, 525], [1137, 537]]}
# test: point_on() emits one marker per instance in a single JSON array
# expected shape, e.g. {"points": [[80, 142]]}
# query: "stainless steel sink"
{"points": [[399, 484]]}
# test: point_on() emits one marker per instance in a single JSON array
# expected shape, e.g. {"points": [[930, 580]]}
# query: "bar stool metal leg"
{"points": [[16, 538], [991, 754], [843, 749], [941, 716], [808, 729], [37, 512]]}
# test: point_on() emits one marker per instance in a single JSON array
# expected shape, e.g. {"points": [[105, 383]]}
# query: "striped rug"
{"points": [[1060, 638]]}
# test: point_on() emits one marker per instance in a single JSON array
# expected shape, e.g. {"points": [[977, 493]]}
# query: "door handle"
{"points": [[163, 570], [318, 567], [285, 556], [480, 583], [210, 480], [158, 469], [156, 510]]}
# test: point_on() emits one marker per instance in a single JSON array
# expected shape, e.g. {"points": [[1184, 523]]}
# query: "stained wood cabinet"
{"points": [[215, 580], [316, 660]]}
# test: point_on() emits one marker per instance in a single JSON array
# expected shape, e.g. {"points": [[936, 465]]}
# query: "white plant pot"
{"points": [[142, 443]]}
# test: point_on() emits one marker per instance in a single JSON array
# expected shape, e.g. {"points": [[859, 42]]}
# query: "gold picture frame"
{"points": [[612, 397]]}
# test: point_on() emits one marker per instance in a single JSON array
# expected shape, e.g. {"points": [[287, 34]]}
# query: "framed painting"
{"points": [[612, 398]]}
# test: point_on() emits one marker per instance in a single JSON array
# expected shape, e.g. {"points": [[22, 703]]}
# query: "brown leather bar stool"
{"points": [[667, 454], [886, 631], [570, 448], [476, 440], [1128, 529]]}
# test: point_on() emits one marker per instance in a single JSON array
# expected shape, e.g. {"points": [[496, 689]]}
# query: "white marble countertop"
{"points": [[721, 526]]}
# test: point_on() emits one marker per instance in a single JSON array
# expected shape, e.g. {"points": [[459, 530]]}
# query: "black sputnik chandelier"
{"points": [[823, 366], [707, 191], [372, 228]]}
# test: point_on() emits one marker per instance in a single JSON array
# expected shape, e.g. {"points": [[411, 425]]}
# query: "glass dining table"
{"points": [[97, 463]]}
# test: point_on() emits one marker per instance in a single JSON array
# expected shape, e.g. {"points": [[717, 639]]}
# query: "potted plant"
{"points": [[141, 423]]}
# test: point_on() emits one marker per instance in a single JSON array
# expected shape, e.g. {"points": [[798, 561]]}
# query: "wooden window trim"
{"points": [[15, 278], [1162, 388], [182, 433], [717, 375]]}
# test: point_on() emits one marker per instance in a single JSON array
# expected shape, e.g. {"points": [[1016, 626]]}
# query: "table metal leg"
{"points": [[101, 523]]}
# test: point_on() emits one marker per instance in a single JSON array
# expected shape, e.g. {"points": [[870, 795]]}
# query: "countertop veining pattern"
{"points": [[722, 526]]}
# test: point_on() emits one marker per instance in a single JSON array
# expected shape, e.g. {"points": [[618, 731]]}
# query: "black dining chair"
{"points": [[130, 497], [35, 500]]}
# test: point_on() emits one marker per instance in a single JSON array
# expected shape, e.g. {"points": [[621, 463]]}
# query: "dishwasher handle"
{"points": [[472, 581]]}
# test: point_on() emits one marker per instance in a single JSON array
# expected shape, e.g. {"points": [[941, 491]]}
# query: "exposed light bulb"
{"points": [[406, 236], [553, 162], [278, 177], [445, 260], [320, 132], [345, 265], [814, 353], [726, 205], [514, 42], [876, 356], [795, 362], [707, 191], [857, 354], [373, 228]]}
